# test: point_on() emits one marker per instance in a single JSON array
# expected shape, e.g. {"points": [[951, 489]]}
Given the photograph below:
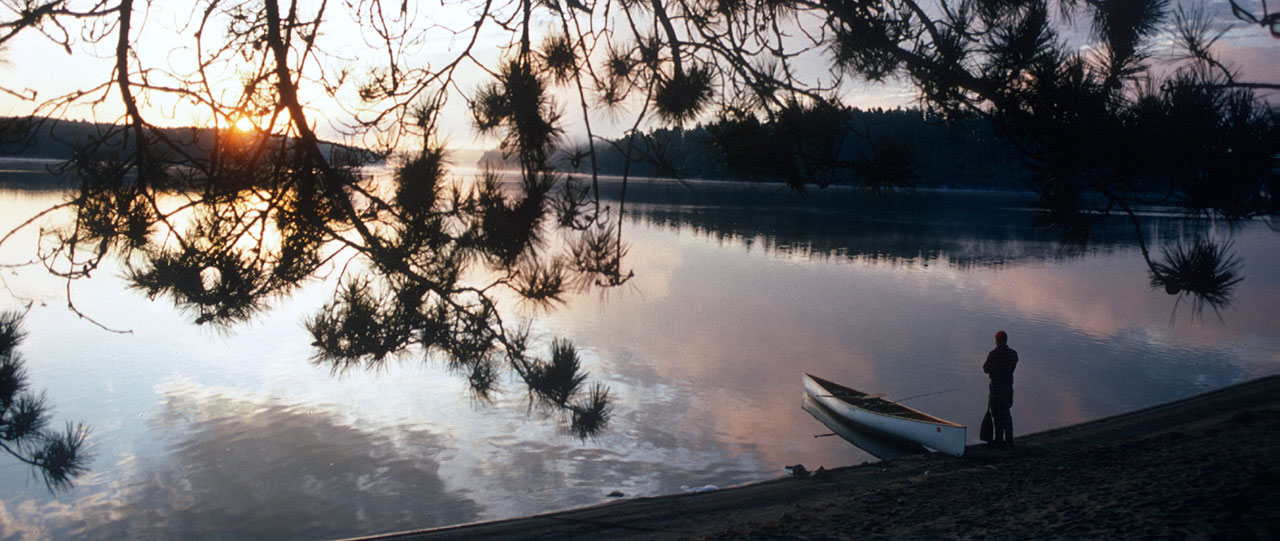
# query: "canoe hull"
{"points": [[940, 435], [876, 443]]}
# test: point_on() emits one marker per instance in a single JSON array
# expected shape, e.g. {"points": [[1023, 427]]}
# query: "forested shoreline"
{"points": [[58, 139], [964, 153], [955, 153]]}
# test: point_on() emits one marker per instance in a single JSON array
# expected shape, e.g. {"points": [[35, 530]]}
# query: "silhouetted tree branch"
{"points": [[226, 221], [59, 458]]}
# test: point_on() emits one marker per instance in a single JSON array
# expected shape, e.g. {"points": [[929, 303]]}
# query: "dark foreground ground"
{"points": [[1207, 467]]}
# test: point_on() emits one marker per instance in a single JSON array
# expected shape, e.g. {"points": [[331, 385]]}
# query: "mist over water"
{"points": [[738, 289]]}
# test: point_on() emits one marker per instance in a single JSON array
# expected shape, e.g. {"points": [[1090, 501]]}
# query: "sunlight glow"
{"points": [[244, 125]]}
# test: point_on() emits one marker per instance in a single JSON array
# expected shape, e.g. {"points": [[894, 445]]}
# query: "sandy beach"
{"points": [[1202, 467]]}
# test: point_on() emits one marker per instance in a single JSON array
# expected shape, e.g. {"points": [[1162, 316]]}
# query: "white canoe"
{"points": [[879, 445], [887, 417]]}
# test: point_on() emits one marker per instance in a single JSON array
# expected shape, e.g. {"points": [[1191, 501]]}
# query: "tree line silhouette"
{"points": [[62, 139], [223, 231], [962, 152]]}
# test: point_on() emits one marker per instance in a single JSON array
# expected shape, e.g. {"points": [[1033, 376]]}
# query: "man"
{"points": [[1000, 364]]}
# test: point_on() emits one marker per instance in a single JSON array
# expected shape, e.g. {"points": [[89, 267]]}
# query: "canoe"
{"points": [[880, 446], [886, 417]]}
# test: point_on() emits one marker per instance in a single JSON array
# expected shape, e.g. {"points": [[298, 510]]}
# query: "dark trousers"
{"points": [[999, 401]]}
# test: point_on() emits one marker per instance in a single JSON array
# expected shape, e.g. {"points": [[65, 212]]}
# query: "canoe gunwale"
{"points": [[904, 422], [914, 415]]}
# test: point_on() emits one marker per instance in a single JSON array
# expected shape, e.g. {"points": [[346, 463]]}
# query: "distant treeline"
{"points": [[62, 139], [966, 152], [961, 153]]}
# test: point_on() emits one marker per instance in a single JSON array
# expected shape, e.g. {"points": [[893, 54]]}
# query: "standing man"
{"points": [[1000, 364]]}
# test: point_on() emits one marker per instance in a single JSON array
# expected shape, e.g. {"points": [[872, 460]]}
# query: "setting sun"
{"points": [[243, 125]]}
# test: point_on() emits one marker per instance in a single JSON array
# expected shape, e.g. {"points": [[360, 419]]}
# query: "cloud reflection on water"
{"points": [[246, 469], [742, 298], [703, 351]]}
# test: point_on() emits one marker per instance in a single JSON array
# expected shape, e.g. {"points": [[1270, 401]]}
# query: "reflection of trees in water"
{"points": [[424, 264], [964, 228], [273, 471]]}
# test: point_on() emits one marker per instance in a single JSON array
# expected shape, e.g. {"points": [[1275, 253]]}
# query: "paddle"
{"points": [[881, 395], [852, 397], [924, 395]]}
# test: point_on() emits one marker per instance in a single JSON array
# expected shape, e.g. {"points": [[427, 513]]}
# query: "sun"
{"points": [[243, 125]]}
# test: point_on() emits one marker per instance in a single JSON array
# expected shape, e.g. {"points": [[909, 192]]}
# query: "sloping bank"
{"points": [[1205, 466]]}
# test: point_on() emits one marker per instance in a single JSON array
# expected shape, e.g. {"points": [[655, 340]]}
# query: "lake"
{"points": [[738, 289]]}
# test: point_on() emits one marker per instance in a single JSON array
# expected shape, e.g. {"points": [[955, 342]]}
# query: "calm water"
{"points": [[737, 290]]}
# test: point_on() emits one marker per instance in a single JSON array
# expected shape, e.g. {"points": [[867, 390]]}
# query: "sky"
{"points": [[167, 37]]}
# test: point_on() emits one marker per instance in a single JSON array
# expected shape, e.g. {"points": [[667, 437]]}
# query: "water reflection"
{"points": [[246, 469], [421, 258], [702, 351], [32, 174], [961, 227], [879, 447], [58, 458], [741, 317]]}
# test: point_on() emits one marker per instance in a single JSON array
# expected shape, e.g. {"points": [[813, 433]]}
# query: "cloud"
{"points": [[259, 470]]}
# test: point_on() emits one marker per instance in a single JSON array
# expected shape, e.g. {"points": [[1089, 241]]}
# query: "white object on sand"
{"points": [[887, 417]]}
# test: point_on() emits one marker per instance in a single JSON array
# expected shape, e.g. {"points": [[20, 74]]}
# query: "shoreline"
{"points": [[1202, 466]]}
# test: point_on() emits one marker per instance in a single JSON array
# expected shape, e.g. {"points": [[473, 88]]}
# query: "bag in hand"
{"points": [[986, 433]]}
